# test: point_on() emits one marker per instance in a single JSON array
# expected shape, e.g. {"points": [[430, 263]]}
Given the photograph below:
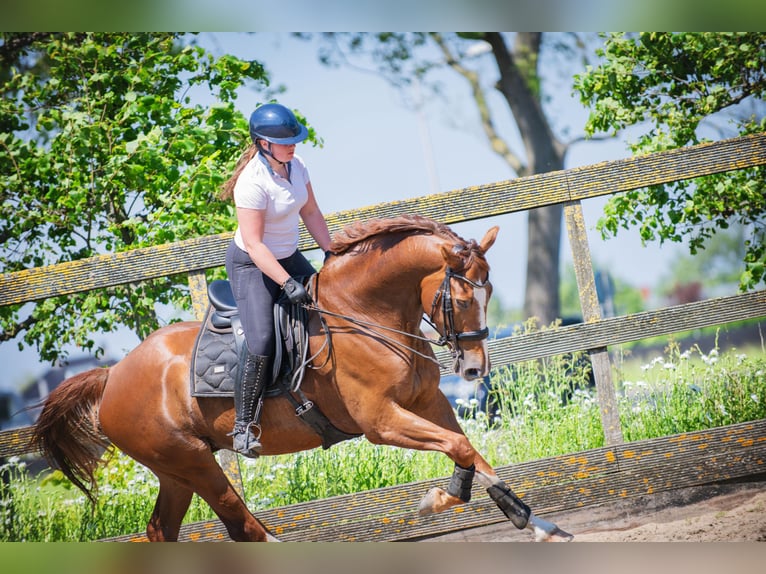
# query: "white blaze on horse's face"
{"points": [[476, 365], [471, 353]]}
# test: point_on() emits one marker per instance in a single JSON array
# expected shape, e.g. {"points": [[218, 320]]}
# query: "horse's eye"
{"points": [[463, 304]]}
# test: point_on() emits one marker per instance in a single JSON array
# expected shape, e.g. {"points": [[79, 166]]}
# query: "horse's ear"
{"points": [[489, 239], [452, 256]]}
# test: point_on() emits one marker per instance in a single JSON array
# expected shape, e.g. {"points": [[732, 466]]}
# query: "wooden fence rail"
{"points": [[567, 187], [450, 207]]}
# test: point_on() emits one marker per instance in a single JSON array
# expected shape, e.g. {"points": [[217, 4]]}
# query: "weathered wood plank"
{"points": [[611, 331], [451, 207], [673, 165], [566, 482], [591, 312], [627, 328], [15, 442]]}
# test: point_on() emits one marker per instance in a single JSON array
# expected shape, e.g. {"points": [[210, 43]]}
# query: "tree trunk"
{"points": [[541, 293], [518, 84]]}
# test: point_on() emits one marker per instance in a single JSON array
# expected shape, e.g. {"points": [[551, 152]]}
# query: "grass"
{"points": [[540, 409]]}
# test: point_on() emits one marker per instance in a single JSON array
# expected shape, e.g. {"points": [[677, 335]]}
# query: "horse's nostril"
{"points": [[471, 374]]}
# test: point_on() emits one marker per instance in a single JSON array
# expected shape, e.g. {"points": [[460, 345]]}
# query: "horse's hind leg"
{"points": [[169, 510], [203, 475], [188, 468]]}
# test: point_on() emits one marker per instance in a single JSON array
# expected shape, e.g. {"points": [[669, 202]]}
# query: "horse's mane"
{"points": [[364, 231]]}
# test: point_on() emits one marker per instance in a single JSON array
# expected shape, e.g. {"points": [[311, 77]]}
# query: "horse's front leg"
{"points": [[459, 491], [436, 428], [518, 512]]}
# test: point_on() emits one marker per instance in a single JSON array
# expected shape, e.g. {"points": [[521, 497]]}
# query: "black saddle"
{"points": [[224, 306], [220, 340]]}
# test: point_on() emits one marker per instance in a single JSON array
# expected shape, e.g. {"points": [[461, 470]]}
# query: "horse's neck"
{"points": [[384, 281]]}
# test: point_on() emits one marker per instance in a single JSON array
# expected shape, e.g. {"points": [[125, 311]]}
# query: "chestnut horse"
{"points": [[378, 378]]}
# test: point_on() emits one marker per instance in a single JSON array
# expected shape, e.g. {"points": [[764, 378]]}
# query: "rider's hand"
{"points": [[296, 293]]}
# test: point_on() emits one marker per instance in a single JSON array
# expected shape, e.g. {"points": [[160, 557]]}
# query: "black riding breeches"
{"points": [[255, 294]]}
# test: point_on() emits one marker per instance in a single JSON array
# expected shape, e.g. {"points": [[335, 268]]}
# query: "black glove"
{"points": [[296, 293]]}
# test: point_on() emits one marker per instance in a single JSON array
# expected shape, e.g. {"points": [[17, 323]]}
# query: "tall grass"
{"points": [[538, 409]]}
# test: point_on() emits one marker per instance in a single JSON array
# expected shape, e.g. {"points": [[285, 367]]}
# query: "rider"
{"points": [[271, 191]]}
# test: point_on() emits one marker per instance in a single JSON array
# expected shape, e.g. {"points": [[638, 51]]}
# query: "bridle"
{"points": [[450, 338]]}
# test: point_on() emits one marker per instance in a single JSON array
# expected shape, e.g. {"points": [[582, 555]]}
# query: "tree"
{"points": [[685, 88], [512, 65], [102, 149], [715, 268]]}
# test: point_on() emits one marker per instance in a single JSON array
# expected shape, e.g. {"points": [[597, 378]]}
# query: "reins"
{"points": [[374, 326], [450, 338]]}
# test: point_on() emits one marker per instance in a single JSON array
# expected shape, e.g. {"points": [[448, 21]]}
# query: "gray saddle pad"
{"points": [[214, 360]]}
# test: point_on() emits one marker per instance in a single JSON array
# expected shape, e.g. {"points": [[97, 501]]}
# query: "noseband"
{"points": [[450, 335]]}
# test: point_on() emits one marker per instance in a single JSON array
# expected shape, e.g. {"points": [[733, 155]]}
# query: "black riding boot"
{"points": [[251, 381]]}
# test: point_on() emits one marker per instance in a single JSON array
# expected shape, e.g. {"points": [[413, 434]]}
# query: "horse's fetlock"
{"points": [[461, 481]]}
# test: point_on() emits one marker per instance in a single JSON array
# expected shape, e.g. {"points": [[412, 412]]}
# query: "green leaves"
{"points": [[102, 149], [684, 88]]}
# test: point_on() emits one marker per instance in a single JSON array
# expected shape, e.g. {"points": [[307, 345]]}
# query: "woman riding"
{"points": [[271, 191]]}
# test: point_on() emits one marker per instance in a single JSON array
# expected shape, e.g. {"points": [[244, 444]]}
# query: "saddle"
{"points": [[220, 340]]}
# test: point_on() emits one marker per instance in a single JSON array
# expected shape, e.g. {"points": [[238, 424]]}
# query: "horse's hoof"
{"points": [[434, 501], [437, 500], [547, 531], [557, 535]]}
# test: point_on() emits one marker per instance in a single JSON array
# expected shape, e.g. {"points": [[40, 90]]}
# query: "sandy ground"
{"points": [[736, 517], [714, 513]]}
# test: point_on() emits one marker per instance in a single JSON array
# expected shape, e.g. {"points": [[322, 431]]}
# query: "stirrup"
{"points": [[245, 442]]}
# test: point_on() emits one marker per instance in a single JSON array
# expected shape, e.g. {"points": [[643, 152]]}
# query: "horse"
{"points": [[378, 378]]}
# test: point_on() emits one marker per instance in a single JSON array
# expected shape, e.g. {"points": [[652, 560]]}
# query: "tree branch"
{"points": [[497, 143], [9, 334]]}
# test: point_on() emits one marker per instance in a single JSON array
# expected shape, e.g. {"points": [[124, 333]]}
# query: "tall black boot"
{"points": [[251, 381]]}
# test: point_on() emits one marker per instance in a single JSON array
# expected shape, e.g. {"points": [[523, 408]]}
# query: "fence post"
{"points": [[227, 459], [586, 285]]}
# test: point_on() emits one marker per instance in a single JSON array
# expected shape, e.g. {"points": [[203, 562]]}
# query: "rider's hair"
{"points": [[227, 191]]}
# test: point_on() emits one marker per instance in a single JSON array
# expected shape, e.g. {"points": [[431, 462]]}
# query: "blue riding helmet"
{"points": [[276, 124]]}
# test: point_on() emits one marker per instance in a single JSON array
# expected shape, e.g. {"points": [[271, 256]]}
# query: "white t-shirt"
{"points": [[258, 187]]}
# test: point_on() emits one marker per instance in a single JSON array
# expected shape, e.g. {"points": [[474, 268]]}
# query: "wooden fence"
{"points": [[595, 334]]}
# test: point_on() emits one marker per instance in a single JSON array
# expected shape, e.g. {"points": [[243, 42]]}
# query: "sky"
{"points": [[378, 149]]}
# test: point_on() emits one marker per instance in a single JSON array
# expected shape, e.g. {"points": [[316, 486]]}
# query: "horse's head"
{"points": [[461, 292]]}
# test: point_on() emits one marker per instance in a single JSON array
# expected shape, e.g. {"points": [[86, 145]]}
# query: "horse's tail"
{"points": [[67, 430]]}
